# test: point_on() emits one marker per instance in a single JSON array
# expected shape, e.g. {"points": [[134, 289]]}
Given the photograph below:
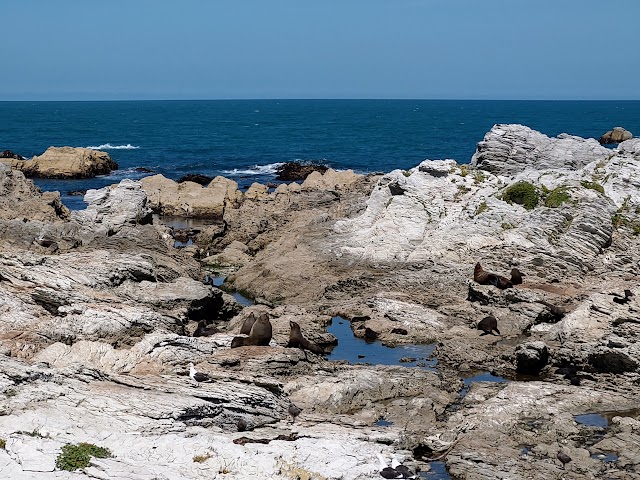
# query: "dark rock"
{"points": [[399, 331], [370, 335], [10, 154], [196, 178], [297, 171], [609, 360], [76, 193], [407, 360], [617, 135], [531, 357], [143, 170]]}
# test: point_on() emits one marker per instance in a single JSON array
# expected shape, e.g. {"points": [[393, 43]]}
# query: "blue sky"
{"points": [[208, 49]]}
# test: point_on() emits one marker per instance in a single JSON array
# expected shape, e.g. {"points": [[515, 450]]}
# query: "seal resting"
{"points": [[297, 340], [483, 277], [488, 325], [627, 296], [245, 329], [261, 333]]}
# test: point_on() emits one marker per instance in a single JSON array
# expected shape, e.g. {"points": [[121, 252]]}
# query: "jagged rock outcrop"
{"points": [[10, 154], [297, 171], [111, 208], [66, 162], [20, 198], [617, 135], [510, 149]]}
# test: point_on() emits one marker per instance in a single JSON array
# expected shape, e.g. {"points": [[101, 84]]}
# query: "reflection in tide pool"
{"points": [[356, 350], [438, 472]]}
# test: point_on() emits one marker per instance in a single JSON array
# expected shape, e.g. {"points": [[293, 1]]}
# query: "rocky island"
{"points": [[101, 316]]}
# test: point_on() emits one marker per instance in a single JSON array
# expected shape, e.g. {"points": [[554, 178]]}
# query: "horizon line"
{"points": [[327, 99]]}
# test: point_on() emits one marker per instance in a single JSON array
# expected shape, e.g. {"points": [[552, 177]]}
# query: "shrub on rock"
{"points": [[522, 193]]}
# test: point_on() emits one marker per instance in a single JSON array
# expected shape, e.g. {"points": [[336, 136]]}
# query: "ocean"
{"points": [[247, 139]]}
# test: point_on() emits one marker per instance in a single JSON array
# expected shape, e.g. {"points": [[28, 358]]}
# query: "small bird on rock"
{"points": [[400, 471], [563, 457], [197, 376]]}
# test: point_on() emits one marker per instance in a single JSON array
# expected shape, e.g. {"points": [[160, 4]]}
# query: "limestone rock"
{"points": [[617, 135], [20, 198], [67, 162], [190, 199], [115, 206], [511, 149]]}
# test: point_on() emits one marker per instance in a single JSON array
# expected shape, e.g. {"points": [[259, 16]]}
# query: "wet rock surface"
{"points": [[98, 312]]}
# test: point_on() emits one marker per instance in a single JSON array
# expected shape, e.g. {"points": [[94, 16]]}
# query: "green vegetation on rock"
{"points": [[522, 193], [3, 443], [482, 208], [557, 197], [72, 457], [593, 186]]}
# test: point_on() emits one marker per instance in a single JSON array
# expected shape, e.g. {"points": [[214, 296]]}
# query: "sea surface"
{"points": [[247, 139]]}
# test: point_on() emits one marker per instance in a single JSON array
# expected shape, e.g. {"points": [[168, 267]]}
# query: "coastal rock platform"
{"points": [[98, 310]]}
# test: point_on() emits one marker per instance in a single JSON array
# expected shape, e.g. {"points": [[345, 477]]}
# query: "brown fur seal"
{"points": [[203, 330], [488, 325], [247, 324], [297, 340], [261, 333], [483, 277], [516, 276]]}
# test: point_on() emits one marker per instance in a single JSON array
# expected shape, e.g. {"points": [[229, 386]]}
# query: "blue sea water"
{"points": [[246, 139]]}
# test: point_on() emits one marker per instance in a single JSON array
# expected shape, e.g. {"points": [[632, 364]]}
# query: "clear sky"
{"points": [[219, 49]]}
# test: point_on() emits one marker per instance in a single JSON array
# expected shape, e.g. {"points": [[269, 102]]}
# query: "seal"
{"points": [[627, 296], [203, 330], [247, 324], [261, 333], [294, 411], [563, 457], [481, 276], [516, 276], [488, 325], [297, 340]]}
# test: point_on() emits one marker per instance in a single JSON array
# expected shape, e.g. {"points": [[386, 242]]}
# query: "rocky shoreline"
{"points": [[98, 309]]}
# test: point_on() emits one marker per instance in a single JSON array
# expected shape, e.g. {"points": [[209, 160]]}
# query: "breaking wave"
{"points": [[255, 170], [108, 146]]}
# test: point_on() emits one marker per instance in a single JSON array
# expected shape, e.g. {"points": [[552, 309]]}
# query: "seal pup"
{"points": [[245, 329], [481, 276], [488, 325], [516, 276], [627, 296], [297, 340], [294, 411], [203, 330], [261, 333], [197, 376], [563, 457]]}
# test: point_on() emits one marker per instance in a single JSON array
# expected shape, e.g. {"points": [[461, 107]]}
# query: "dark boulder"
{"points": [[292, 171], [10, 154], [196, 178], [531, 357]]}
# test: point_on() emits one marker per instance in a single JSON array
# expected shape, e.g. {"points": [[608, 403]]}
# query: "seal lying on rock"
{"points": [[297, 340], [261, 333], [483, 277], [488, 325]]}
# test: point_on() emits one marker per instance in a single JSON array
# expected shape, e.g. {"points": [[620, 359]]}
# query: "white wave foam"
{"points": [[255, 170], [108, 146]]}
